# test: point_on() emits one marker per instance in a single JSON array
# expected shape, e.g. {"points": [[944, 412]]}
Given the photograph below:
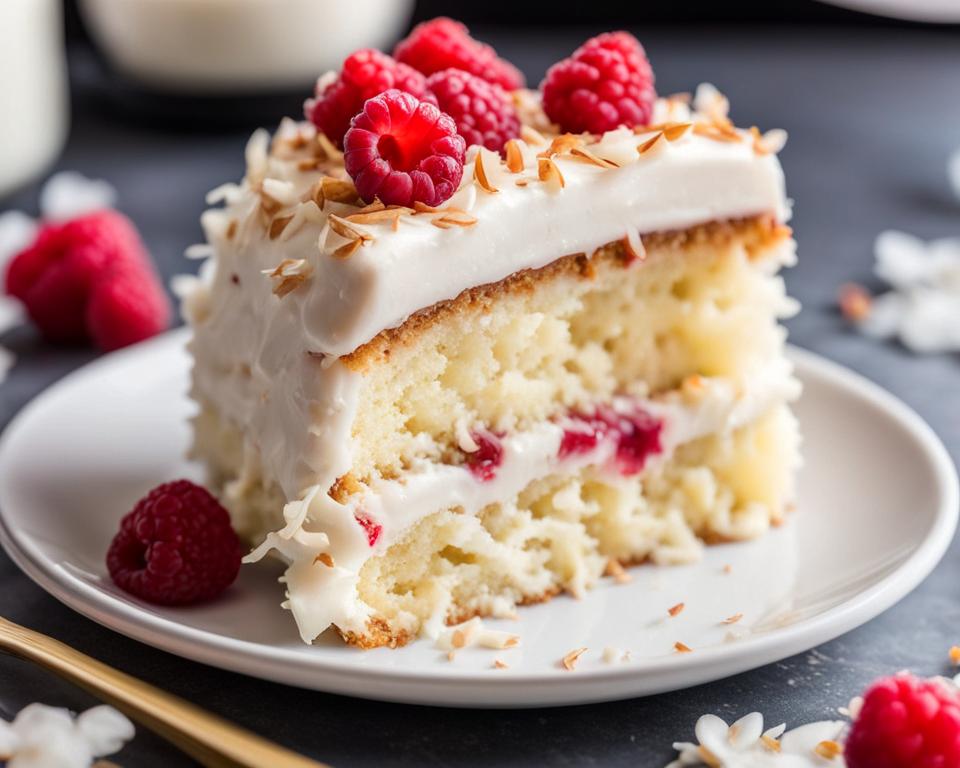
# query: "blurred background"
{"points": [[158, 98]]}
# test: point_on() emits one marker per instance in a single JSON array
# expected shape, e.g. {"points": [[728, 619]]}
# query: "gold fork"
{"points": [[208, 739]]}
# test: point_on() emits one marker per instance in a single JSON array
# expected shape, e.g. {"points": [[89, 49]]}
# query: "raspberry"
{"points": [[606, 83], [637, 435], [442, 43], [125, 307], [403, 150], [364, 74], [484, 462], [175, 547], [906, 723], [483, 111], [58, 276]]}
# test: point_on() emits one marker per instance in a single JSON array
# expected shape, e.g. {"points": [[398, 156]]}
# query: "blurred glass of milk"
{"points": [[33, 89]]}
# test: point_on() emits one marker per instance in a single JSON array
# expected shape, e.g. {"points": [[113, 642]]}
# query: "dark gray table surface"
{"points": [[872, 114]]}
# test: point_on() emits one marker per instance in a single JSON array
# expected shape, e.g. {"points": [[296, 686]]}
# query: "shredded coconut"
{"points": [[473, 633]]}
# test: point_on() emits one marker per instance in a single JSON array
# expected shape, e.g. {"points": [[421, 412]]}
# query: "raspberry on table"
{"points": [[443, 43], [606, 83], [483, 111], [365, 73], [403, 150], [60, 278], [175, 547], [906, 722]]}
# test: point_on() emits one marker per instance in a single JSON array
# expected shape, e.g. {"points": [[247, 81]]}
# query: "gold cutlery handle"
{"points": [[209, 739]]}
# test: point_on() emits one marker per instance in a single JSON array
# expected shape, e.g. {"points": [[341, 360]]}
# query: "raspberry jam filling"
{"points": [[637, 435], [372, 529], [488, 457]]}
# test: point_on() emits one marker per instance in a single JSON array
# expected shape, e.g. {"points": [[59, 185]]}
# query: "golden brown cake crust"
{"points": [[756, 232]]}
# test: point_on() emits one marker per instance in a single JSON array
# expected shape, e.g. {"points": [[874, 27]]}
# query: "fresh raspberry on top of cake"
{"points": [[175, 547], [63, 279], [442, 43], [483, 111], [403, 150], [365, 73], [906, 722], [606, 83]]}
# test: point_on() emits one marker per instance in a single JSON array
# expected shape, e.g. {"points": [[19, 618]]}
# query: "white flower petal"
{"points": [[9, 740], [802, 740], [105, 730], [17, 231], [712, 733], [746, 731], [69, 194]]}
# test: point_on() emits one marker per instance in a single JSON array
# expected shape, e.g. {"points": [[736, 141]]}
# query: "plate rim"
{"points": [[476, 688]]}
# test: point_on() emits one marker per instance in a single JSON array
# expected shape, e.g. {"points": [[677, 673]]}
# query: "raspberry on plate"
{"points": [[443, 43], [403, 150], [606, 83], [906, 722], [483, 111], [365, 73], [59, 278], [175, 547]]}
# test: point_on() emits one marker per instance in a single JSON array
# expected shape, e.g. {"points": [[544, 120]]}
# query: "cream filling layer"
{"points": [[325, 547]]}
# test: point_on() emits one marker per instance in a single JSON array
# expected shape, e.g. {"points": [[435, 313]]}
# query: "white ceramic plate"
{"points": [[938, 11], [877, 508]]}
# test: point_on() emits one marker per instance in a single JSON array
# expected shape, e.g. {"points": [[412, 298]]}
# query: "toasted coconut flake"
{"points": [[616, 571], [548, 172], [768, 143], [346, 250], [569, 662], [732, 619], [278, 225], [480, 175], [514, 156], [828, 749], [562, 145], [955, 655], [728, 569], [674, 131], [500, 664], [532, 135], [454, 217], [345, 229], [682, 647], [231, 229], [650, 143], [336, 191], [855, 302], [633, 246], [717, 131], [582, 153], [391, 215], [675, 610], [290, 274], [770, 743], [521, 182], [325, 558], [451, 655], [325, 148], [312, 164]]}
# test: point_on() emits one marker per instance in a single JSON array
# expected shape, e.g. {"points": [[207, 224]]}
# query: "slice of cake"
{"points": [[517, 367]]}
